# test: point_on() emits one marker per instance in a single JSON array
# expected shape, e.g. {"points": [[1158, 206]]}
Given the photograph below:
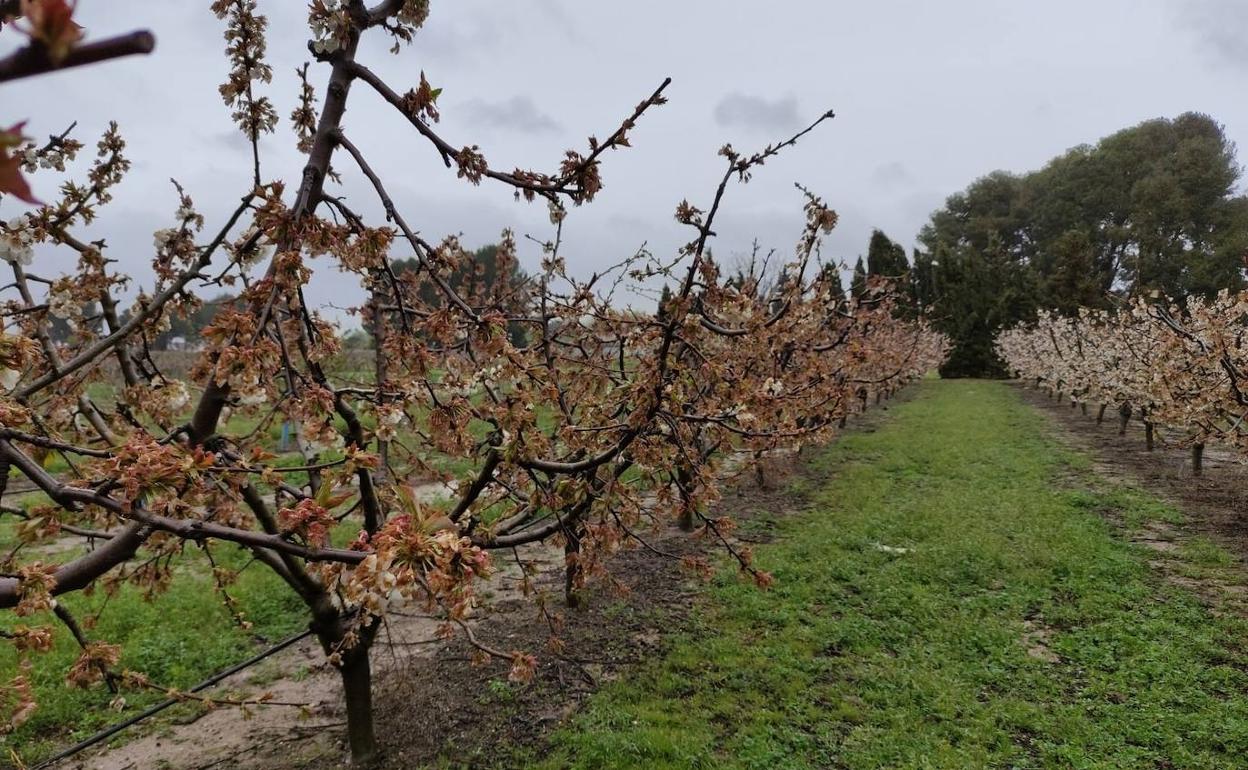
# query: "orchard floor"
{"points": [[971, 577], [964, 587]]}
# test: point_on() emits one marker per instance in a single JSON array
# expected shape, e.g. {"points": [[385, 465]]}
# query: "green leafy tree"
{"points": [[1149, 208]]}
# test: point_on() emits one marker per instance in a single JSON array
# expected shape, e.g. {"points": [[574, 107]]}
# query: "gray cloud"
{"points": [[518, 114], [757, 113], [891, 176], [1220, 28], [912, 127]]}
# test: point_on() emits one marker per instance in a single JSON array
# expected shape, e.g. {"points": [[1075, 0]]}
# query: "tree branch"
{"points": [[34, 60]]}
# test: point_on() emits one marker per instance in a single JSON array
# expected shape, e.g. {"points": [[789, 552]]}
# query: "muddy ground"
{"points": [[1215, 504], [430, 702]]}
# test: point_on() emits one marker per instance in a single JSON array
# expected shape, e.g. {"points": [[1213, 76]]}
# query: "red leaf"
{"points": [[11, 179], [52, 23]]}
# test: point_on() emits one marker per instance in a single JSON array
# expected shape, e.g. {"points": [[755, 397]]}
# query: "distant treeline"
{"points": [[1151, 208], [186, 332]]}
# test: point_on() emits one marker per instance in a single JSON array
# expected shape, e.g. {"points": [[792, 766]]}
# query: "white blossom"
{"points": [[253, 397], [773, 387], [177, 395], [62, 305], [161, 238], [16, 241]]}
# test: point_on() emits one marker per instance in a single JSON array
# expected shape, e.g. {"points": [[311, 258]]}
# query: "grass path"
{"points": [[1018, 629]]}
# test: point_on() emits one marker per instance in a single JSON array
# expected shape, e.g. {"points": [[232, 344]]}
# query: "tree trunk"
{"points": [[1084, 408], [1198, 459], [683, 479], [844, 419], [760, 474], [1100, 414], [380, 373], [1124, 415], [356, 673], [1148, 436], [687, 519], [357, 687], [573, 570], [877, 397]]}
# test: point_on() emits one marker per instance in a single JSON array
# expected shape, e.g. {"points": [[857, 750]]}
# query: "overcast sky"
{"points": [[928, 97]]}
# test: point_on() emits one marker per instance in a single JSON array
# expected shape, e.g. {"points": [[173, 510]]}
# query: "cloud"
{"points": [[1220, 28], [891, 176], [518, 114], [757, 113]]}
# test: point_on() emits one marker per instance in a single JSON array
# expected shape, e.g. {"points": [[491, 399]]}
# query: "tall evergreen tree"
{"points": [[884, 257], [665, 298], [858, 284]]}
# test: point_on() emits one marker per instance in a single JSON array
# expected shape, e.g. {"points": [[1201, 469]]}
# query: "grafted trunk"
{"points": [[1198, 459], [1100, 414], [357, 680], [357, 688]]}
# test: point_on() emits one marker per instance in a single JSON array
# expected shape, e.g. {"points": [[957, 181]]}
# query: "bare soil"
{"points": [[1214, 503], [431, 704], [458, 714]]}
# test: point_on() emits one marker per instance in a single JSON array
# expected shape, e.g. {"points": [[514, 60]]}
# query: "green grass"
{"points": [[862, 658], [178, 639]]}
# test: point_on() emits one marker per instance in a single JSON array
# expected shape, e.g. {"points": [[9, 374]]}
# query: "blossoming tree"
{"points": [[1176, 366], [589, 429]]}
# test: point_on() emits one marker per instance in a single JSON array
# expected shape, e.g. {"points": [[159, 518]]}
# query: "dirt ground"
{"points": [[1214, 503], [429, 701]]}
